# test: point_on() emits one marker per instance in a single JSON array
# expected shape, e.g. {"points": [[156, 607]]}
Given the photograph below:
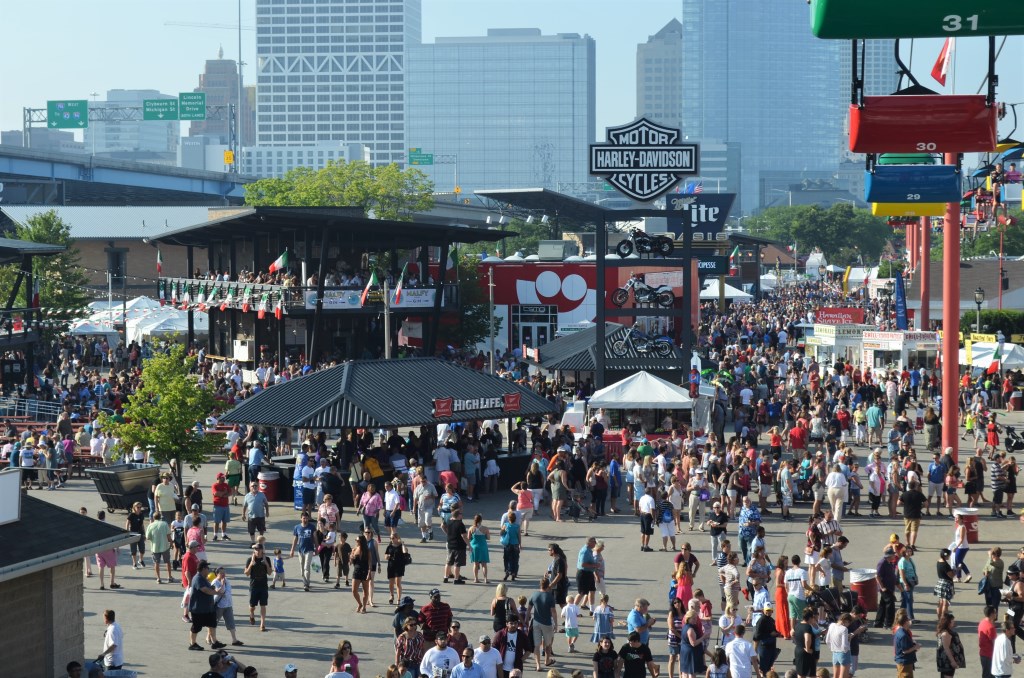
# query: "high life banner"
{"points": [[839, 316]]}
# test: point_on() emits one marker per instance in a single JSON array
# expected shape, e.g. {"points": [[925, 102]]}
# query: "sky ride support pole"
{"points": [[924, 258], [950, 345], [912, 247]]}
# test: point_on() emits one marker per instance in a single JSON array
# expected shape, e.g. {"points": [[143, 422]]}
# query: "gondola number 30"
{"points": [[926, 146], [955, 22]]}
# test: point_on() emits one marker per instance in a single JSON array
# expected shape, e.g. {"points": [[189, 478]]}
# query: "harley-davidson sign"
{"points": [[642, 159], [449, 407]]}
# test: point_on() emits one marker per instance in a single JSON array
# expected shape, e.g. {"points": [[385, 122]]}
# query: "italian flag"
{"points": [[201, 299], [372, 282], [174, 294], [997, 360], [399, 286], [159, 262], [246, 298], [279, 307], [228, 300], [161, 287], [734, 268], [261, 310], [280, 263], [185, 299]]}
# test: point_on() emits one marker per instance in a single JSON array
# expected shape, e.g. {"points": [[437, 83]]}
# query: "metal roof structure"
{"points": [[12, 250], [341, 222], [388, 393], [577, 353], [47, 536], [115, 222]]}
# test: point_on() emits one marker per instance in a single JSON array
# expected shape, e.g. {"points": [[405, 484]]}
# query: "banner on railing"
{"points": [[349, 299]]}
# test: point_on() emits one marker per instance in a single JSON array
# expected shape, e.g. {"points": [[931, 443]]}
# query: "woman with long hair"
{"points": [[783, 623], [676, 614], [719, 666], [944, 585], [479, 554], [692, 646], [949, 653], [361, 573], [684, 582], [397, 556], [559, 481]]}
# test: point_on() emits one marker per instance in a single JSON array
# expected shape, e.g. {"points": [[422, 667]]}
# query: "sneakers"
{"points": [[216, 538], [218, 645], [967, 579], [226, 538], [196, 647]]}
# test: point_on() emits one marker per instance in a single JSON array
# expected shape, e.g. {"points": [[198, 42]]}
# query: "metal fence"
{"points": [[36, 410]]}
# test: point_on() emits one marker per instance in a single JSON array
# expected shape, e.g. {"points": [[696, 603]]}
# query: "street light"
{"points": [[979, 299]]}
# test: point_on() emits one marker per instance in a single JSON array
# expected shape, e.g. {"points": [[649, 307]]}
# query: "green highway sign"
{"points": [[417, 157], [159, 109], [192, 106], [68, 114]]}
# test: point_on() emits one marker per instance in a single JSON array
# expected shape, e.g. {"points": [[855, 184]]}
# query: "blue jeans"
{"points": [[958, 562], [907, 602]]}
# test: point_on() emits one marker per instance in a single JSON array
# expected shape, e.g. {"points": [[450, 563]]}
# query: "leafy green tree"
{"points": [[842, 232], [62, 284], [390, 192], [987, 243], [162, 413], [994, 320], [474, 307]]}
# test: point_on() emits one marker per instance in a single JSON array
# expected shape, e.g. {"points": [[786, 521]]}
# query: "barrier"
{"points": [[911, 123], [846, 20], [862, 583], [912, 184]]}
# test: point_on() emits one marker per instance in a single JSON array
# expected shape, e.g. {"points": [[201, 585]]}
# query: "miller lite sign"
{"points": [[643, 160], [444, 408], [704, 214]]}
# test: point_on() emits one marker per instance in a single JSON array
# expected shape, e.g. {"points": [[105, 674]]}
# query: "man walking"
{"points": [[542, 611], [158, 533], [258, 568], [255, 511], [201, 606], [913, 501], [586, 567], [302, 537], [112, 656], [221, 511], [646, 505]]}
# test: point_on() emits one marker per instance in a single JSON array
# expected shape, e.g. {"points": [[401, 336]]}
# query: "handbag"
{"points": [[983, 586]]}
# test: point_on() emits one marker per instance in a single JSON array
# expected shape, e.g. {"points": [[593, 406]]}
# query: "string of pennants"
{"points": [[207, 296]]}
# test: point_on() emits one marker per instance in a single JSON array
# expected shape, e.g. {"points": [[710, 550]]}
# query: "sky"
{"points": [[64, 49]]}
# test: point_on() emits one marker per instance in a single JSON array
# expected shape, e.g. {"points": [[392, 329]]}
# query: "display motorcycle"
{"points": [[643, 343], [643, 293], [640, 242]]}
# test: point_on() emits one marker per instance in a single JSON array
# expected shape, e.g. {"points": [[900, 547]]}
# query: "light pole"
{"points": [[822, 271], [979, 299], [788, 193], [93, 132]]}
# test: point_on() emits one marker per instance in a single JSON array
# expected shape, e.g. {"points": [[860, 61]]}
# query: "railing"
{"points": [[30, 408], [203, 294]]}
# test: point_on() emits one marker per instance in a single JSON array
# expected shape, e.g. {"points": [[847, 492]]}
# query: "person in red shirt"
{"points": [[987, 633], [798, 439], [221, 509], [189, 567], [843, 416]]}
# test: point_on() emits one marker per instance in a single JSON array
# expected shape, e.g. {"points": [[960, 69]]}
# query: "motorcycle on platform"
{"points": [[643, 293], [643, 344], [640, 242]]}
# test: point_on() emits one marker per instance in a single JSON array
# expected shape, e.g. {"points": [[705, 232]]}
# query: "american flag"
{"points": [[692, 188]]}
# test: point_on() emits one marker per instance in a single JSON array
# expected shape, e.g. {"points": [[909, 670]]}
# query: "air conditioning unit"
{"points": [[556, 250]]}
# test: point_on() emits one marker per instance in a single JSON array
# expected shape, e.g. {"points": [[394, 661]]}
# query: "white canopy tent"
{"points": [[982, 353], [642, 391], [769, 281], [171, 321], [710, 293]]}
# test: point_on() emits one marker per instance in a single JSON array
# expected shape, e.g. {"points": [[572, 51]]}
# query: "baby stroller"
{"points": [[825, 599], [580, 507]]}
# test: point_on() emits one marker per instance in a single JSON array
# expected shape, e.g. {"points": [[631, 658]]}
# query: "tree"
{"points": [[388, 191], [474, 307], [843, 233], [162, 414], [62, 284], [987, 243], [993, 321]]}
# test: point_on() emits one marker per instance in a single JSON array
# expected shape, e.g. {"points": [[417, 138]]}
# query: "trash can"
{"points": [[269, 481], [970, 518], [1016, 403], [121, 485], [863, 584]]}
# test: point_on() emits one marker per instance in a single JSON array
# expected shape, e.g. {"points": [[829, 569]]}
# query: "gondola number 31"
{"points": [[955, 22]]}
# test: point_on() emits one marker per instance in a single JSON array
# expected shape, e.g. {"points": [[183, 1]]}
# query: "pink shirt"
{"points": [[371, 503]]}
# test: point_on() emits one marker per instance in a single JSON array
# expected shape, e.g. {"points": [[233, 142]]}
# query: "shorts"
{"points": [[456, 557], [258, 594], [107, 558], [391, 518], [257, 525], [234, 479], [572, 632], [426, 515], [524, 514], [646, 524], [221, 514], [819, 495], [201, 620], [673, 650], [911, 524], [934, 489], [228, 615], [765, 490], [543, 634], [668, 529], [586, 582], [164, 556]]}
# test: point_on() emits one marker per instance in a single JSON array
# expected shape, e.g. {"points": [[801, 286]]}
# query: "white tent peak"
{"points": [[642, 390]]}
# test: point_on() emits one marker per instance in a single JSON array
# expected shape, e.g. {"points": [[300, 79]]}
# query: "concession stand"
{"points": [[881, 351], [829, 343]]}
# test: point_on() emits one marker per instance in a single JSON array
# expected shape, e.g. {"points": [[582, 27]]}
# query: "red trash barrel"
{"points": [[269, 481], [970, 518], [862, 583]]}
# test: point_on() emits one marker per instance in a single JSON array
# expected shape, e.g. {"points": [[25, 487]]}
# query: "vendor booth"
{"points": [[881, 351], [640, 406], [829, 343], [1011, 356]]}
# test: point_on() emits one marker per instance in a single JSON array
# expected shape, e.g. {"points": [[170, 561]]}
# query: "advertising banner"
{"points": [[349, 299], [839, 316]]}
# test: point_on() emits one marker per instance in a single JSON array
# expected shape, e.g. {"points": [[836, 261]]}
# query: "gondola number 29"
{"points": [[955, 22]]}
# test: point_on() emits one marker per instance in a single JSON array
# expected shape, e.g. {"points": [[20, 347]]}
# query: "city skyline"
{"points": [[125, 45]]}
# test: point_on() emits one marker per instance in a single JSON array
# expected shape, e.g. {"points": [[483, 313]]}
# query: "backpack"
{"points": [[667, 516]]}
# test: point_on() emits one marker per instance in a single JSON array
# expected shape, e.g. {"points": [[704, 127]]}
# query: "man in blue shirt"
{"points": [[468, 668], [936, 481], [255, 461], [640, 621], [614, 482], [586, 579], [905, 650], [874, 421], [302, 536]]}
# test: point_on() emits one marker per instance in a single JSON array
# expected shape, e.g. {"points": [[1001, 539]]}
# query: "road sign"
{"points": [[68, 114], [418, 157], [159, 109], [192, 106], [229, 157]]}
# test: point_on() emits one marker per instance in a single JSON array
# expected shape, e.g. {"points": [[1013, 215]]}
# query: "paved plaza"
{"points": [[306, 627]]}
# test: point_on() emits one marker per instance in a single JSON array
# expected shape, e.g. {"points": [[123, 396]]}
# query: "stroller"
{"points": [[825, 598], [580, 507]]}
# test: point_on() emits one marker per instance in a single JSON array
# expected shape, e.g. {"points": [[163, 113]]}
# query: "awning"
{"points": [[642, 391], [577, 352], [386, 394]]}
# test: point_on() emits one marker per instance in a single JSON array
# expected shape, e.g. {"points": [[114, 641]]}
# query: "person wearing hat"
{"points": [[221, 507], [487, 658], [765, 637], [406, 608], [291, 671], [189, 568], [165, 495], [700, 494], [223, 664], [435, 616], [202, 609]]}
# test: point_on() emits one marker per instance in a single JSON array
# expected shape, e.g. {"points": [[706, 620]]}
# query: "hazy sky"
{"points": [[64, 49]]}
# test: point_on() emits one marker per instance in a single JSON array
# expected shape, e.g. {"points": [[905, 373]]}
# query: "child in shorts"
{"points": [[342, 555], [278, 569], [571, 617]]}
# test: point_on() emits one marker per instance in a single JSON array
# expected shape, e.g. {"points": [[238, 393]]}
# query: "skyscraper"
{"points": [[334, 70], [513, 109], [659, 76], [138, 140], [754, 75], [219, 80]]}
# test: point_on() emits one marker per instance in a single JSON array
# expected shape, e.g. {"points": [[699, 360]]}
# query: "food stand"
{"points": [[881, 351], [644, 399], [831, 342]]}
